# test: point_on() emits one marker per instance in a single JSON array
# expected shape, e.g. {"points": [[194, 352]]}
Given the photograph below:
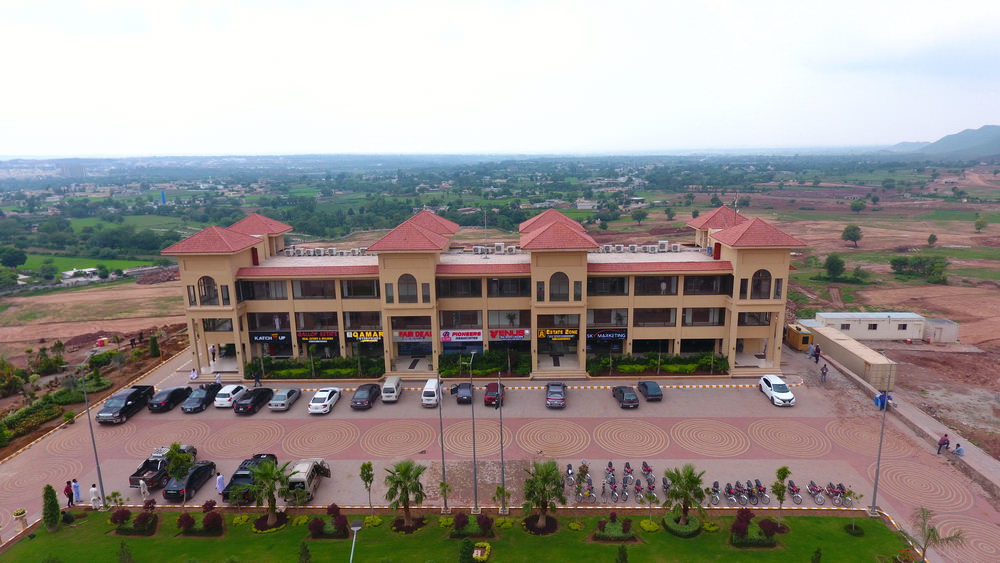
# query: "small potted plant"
{"points": [[21, 515]]}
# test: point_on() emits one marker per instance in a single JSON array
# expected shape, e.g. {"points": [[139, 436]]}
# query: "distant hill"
{"points": [[908, 146], [970, 144]]}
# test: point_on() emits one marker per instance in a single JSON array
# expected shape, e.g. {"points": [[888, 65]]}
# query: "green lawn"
{"points": [[143, 221], [66, 263], [90, 540]]}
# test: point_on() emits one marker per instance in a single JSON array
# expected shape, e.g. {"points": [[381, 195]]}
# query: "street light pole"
{"points": [[873, 509], [475, 469], [355, 527], [444, 478], [93, 441], [503, 480]]}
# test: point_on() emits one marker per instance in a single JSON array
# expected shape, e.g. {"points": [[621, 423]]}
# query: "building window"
{"points": [[656, 285], [407, 289], [410, 323], [388, 293], [760, 285], [901, 326], [708, 285], [577, 291], [261, 290], [754, 319], [540, 292], [509, 319], [217, 325], [558, 321], [778, 288], [268, 321], [192, 296], [208, 292], [704, 316], [509, 287], [459, 288], [314, 289], [225, 294], [559, 287], [425, 292], [607, 317], [451, 320], [845, 326], [607, 286], [872, 326], [359, 289], [362, 320], [654, 317], [743, 288], [316, 321]]}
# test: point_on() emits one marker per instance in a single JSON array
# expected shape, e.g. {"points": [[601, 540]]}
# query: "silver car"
{"points": [[284, 398]]}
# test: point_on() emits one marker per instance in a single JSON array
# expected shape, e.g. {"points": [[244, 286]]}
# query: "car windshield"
{"points": [[115, 402], [198, 393], [780, 388]]}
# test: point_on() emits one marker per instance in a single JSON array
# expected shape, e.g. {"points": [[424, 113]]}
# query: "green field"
{"points": [[968, 216], [91, 540], [141, 221], [66, 263]]}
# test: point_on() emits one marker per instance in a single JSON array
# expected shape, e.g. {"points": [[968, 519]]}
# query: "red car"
{"points": [[494, 395]]}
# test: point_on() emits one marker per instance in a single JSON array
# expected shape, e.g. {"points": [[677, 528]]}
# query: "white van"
{"points": [[391, 389], [431, 394], [307, 475]]}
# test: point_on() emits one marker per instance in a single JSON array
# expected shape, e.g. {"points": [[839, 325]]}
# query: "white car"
{"points": [[775, 389], [228, 395], [323, 400]]}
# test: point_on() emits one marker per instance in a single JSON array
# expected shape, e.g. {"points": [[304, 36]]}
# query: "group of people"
{"points": [[945, 444], [72, 493], [814, 352]]}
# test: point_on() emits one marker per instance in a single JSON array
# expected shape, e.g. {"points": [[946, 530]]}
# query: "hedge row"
{"points": [[672, 523]]}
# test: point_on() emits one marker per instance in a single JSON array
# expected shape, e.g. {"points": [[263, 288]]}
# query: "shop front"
{"points": [[462, 341], [275, 344], [557, 342], [365, 343], [606, 340], [318, 343]]}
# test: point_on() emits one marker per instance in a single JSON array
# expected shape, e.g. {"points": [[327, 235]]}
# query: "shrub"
{"points": [[739, 529], [768, 526], [67, 518], [121, 516], [615, 531], [601, 525], [672, 523], [461, 520], [485, 523], [149, 505], [505, 523], [486, 547], [613, 516], [744, 514], [212, 521], [340, 525], [575, 526], [446, 522], [316, 527], [185, 522], [626, 525], [648, 526], [333, 510], [50, 507], [142, 520], [208, 506], [754, 538], [710, 527]]}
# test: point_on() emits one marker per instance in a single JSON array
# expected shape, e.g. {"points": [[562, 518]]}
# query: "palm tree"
{"points": [[404, 487], [685, 490], [543, 488], [927, 536], [269, 480]]}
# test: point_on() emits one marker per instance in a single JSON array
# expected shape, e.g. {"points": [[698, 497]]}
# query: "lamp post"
{"points": [[444, 478], [93, 441], [503, 480], [475, 469], [873, 509], [355, 527]]}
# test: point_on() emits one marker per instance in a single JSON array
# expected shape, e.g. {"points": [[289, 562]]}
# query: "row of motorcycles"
{"points": [[612, 488], [755, 492]]}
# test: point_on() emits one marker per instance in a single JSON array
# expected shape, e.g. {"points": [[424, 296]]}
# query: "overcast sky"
{"points": [[167, 77]]}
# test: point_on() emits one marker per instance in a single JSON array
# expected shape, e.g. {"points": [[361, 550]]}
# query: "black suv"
{"points": [[243, 476], [124, 404]]}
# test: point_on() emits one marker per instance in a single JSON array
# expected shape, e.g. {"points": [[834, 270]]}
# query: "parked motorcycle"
{"points": [[794, 492]]}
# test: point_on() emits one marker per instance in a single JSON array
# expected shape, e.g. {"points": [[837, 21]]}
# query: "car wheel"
{"points": [[761, 387]]}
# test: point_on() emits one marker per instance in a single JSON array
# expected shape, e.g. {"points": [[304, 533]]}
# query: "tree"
{"points": [[178, 462], [648, 499], [695, 213], [980, 224], [834, 266], [501, 496], [154, 346], [852, 233], [50, 508], [269, 480], [926, 536], [445, 488], [368, 477], [639, 215], [304, 555], [622, 554], [858, 206], [542, 488], [931, 240], [404, 487], [12, 257], [778, 488], [685, 491], [125, 554], [670, 213]]}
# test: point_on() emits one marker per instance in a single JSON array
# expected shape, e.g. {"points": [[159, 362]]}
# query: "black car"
{"points": [[462, 393], [166, 399], [244, 476], [201, 397], [555, 395], [124, 404], [185, 489], [254, 400], [626, 397], [365, 396], [650, 390]]}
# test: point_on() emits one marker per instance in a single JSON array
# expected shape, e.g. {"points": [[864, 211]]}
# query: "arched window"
{"points": [[760, 285], [559, 287], [407, 288], [208, 292]]}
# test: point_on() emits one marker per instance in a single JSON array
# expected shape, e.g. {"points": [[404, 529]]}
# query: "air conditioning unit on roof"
{"points": [[299, 252], [478, 249], [664, 246], [619, 248], [511, 249], [498, 247], [331, 251], [633, 248], [607, 248], [289, 252], [675, 247], [355, 252]]}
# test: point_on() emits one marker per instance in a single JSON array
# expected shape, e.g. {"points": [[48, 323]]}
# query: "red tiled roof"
{"points": [[756, 232], [557, 236], [486, 268], [545, 219], [410, 236], [213, 240], [434, 222], [719, 218], [290, 271], [624, 267], [257, 224]]}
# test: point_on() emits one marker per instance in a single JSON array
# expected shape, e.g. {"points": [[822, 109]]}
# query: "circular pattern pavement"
{"points": [[320, 439], [458, 438], [398, 438], [55, 471], [631, 438], [862, 438], [788, 437], [190, 432], [553, 438], [921, 485], [242, 439], [67, 443], [982, 540], [115, 435], [710, 437]]}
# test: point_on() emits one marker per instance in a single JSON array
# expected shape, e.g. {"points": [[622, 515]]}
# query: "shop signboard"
{"points": [[510, 334], [605, 334], [270, 336], [363, 335], [317, 336], [411, 335], [558, 333], [461, 336]]}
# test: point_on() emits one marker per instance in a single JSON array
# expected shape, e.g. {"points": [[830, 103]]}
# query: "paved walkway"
{"points": [[724, 427]]}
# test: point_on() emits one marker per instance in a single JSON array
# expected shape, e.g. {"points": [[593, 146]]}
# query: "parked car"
{"points": [[253, 400], [124, 404], [365, 396], [650, 390], [154, 470], [555, 395], [284, 399], [462, 393], [775, 389], [243, 476], [228, 395], [166, 399], [323, 400], [185, 489], [306, 476], [626, 397], [494, 394], [201, 397]]}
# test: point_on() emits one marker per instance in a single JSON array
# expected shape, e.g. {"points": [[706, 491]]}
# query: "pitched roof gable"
{"points": [[557, 236], [756, 232], [718, 218], [257, 224], [546, 218], [410, 236], [434, 222], [212, 240]]}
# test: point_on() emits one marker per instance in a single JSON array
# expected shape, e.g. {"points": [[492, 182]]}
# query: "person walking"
{"points": [[143, 489], [822, 373], [68, 491], [944, 442], [211, 352], [256, 379], [811, 351], [220, 483], [76, 491], [218, 378], [95, 497], [816, 354]]}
